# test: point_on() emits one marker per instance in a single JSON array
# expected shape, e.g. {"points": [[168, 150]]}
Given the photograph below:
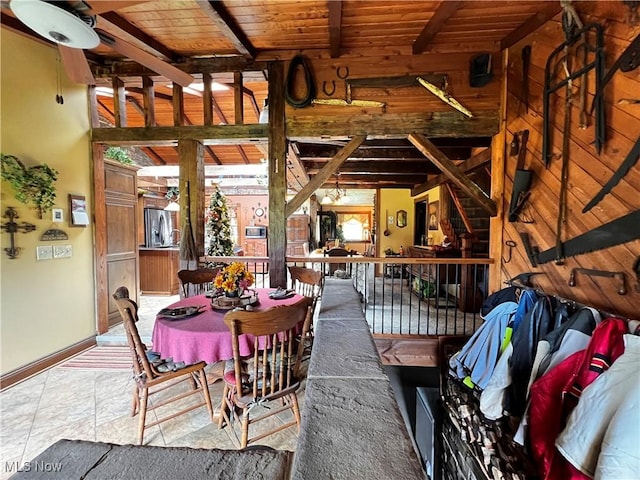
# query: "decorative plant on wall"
{"points": [[34, 185]]}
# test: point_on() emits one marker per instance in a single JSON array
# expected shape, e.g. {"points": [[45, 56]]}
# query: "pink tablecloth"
{"points": [[205, 336]]}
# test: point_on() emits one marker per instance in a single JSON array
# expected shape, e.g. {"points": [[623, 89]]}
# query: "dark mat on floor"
{"points": [[77, 459]]}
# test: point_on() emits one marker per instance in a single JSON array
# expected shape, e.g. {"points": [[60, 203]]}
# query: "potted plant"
{"points": [[34, 185]]}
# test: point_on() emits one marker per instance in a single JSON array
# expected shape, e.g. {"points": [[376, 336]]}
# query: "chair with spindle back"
{"points": [[197, 282], [148, 380], [271, 372]]}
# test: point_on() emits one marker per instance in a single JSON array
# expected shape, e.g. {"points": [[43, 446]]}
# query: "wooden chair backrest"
{"points": [[197, 281], [272, 369], [129, 312], [306, 281], [338, 252]]}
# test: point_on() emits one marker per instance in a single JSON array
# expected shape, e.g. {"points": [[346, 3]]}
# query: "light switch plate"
{"points": [[62, 251], [44, 252], [390, 219]]}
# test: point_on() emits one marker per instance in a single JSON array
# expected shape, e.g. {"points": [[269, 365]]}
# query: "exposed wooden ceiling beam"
{"points": [[531, 24], [323, 175], [316, 153], [454, 173], [407, 167], [475, 162], [444, 11], [298, 174], [350, 178], [192, 65], [335, 27], [223, 20], [117, 21]]}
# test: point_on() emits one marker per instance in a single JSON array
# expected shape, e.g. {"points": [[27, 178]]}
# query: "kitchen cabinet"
{"points": [[159, 271], [297, 235]]}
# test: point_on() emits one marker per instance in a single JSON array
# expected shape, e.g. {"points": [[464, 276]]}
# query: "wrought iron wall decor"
{"points": [[11, 227]]}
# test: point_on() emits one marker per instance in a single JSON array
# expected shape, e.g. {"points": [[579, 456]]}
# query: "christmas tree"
{"points": [[219, 226]]}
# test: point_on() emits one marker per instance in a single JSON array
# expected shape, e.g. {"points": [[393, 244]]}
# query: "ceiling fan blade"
{"points": [[143, 58], [76, 65]]}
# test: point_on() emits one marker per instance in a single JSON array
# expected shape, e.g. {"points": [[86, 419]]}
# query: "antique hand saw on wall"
{"points": [[619, 231]]}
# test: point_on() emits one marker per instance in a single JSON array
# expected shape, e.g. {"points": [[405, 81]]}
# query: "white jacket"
{"points": [[581, 442]]}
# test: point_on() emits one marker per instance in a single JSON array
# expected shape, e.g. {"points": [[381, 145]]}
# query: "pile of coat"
{"points": [[569, 377]]}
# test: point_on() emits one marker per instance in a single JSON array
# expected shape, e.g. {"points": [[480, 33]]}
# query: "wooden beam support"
{"points": [[531, 24], [335, 27], [238, 98], [295, 169], [277, 239], [454, 173], [461, 210], [225, 22], [148, 99], [444, 11], [119, 103], [498, 173], [169, 136], [93, 106], [192, 197], [475, 162], [207, 98], [324, 174], [178, 105]]}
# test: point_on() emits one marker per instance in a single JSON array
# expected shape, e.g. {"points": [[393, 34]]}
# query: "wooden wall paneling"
{"points": [[100, 225], [588, 171]]}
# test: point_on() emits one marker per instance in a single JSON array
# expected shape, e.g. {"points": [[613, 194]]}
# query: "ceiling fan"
{"points": [[73, 27]]}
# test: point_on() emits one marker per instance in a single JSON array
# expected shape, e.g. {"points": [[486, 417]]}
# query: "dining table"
{"points": [[204, 336]]}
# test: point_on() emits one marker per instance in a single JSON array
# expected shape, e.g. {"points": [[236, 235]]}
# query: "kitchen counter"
{"points": [[159, 270]]}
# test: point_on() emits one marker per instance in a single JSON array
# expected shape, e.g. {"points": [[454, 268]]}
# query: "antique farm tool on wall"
{"points": [[523, 278], [526, 60], [511, 244], [627, 61], [521, 179], [11, 227], [443, 95], [622, 289], [591, 39], [617, 232], [627, 164]]}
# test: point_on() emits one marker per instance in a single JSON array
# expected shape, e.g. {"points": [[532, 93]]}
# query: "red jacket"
{"points": [[555, 394]]}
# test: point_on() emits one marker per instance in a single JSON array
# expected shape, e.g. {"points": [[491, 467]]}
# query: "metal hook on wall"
{"points": [[511, 244]]}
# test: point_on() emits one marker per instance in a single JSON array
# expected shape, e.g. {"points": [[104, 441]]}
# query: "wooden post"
{"points": [[277, 240], [238, 98], [119, 103], [192, 178], [498, 148], [207, 103], [178, 105], [149, 102]]}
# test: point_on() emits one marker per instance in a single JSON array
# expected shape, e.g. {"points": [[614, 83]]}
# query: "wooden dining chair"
{"points": [[310, 283], [338, 252], [197, 282], [148, 380], [271, 373]]}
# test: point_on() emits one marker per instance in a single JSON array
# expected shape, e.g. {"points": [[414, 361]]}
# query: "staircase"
{"points": [[476, 215]]}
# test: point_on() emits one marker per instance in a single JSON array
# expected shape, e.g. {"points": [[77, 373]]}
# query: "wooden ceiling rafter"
{"points": [[531, 24], [335, 27], [295, 167], [479, 160], [319, 180], [454, 173], [445, 10], [224, 21]]}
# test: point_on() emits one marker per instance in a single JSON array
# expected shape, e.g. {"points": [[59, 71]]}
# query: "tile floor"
{"points": [[95, 405]]}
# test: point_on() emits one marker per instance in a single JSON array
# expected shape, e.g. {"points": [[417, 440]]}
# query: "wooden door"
{"points": [[121, 220], [297, 234]]}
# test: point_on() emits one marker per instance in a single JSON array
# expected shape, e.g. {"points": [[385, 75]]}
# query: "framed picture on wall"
{"points": [[78, 207], [433, 215]]}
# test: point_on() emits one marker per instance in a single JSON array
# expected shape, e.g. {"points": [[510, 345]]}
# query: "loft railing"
{"points": [[413, 296]]}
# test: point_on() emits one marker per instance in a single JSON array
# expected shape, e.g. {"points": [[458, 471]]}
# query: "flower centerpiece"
{"points": [[233, 280]]}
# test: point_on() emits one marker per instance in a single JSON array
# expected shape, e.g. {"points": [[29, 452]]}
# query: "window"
{"points": [[355, 226]]}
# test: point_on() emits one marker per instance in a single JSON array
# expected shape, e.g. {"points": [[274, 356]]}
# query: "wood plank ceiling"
{"points": [[187, 33]]}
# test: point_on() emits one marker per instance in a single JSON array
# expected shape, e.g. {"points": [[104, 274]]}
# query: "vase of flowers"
{"points": [[233, 280]]}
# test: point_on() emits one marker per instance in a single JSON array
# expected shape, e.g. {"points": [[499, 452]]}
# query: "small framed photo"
{"points": [[78, 207], [58, 215]]}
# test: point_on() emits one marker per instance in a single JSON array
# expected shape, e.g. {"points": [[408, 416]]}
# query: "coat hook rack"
{"points": [[11, 227]]}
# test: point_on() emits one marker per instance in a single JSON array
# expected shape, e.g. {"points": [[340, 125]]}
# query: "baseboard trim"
{"points": [[37, 366]]}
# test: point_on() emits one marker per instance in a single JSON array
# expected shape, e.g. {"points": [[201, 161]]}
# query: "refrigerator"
{"points": [[158, 227]]}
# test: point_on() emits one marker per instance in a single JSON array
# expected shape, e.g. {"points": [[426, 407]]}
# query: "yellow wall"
{"points": [[392, 200], [50, 304]]}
